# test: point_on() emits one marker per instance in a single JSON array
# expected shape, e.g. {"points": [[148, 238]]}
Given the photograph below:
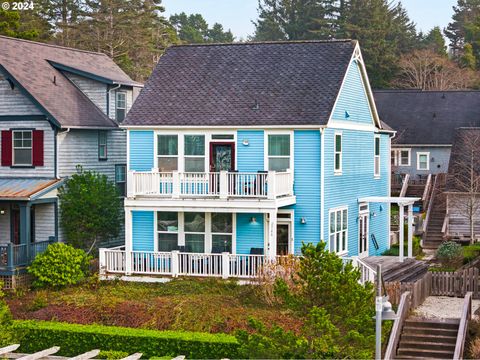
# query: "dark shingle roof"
{"points": [[28, 63], [293, 83], [465, 154], [427, 117]]}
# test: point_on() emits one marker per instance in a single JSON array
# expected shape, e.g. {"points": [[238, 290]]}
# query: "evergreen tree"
{"points": [[12, 24], [194, 29], [466, 12], [434, 41], [468, 60], [218, 35]]}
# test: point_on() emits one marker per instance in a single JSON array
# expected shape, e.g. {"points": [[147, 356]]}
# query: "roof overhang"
{"points": [[26, 189], [390, 200]]}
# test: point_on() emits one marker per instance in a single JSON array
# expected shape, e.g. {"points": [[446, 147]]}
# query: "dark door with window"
{"points": [[283, 235], [222, 157]]}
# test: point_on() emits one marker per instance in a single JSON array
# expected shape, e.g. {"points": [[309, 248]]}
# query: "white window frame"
{"points": [[335, 152], [399, 162], [377, 158], [204, 156], [124, 182], [22, 147], [291, 222], [179, 143], [102, 133], [211, 233], [266, 157], [336, 210], [117, 93], [427, 154], [166, 232]]}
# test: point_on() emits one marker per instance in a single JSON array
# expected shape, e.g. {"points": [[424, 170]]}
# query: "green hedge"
{"points": [[75, 339]]}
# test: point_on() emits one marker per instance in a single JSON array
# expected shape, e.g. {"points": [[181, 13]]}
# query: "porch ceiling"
{"points": [[25, 189], [389, 199]]}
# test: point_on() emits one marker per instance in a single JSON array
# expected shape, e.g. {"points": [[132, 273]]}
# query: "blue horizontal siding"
{"points": [[250, 158], [141, 150], [249, 235], [143, 230], [353, 98]]}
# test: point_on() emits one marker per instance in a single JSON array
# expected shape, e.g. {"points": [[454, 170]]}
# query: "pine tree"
{"points": [[434, 41], [24, 25], [468, 60], [465, 13], [194, 29]]}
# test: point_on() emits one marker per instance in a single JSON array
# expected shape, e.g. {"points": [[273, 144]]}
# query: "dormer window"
{"points": [[120, 105], [22, 148]]}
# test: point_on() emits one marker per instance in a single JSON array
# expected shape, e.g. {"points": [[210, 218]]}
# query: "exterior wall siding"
{"points": [[112, 104], [143, 232], [250, 235], [95, 90], [439, 159], [80, 147], [44, 221], [353, 99], [5, 224], [357, 180], [13, 102], [306, 187], [141, 150], [48, 170], [250, 158]]}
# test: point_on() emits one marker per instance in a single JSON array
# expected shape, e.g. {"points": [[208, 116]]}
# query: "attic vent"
{"points": [[256, 106], [54, 80], [347, 115], [443, 96]]}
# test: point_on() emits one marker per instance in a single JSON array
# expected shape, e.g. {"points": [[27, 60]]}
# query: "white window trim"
{"points": [[179, 140], [22, 148], [398, 156], [100, 133], [206, 165], [340, 170], [266, 157], [335, 210], [375, 157], [155, 224], [291, 222], [116, 102], [427, 154]]}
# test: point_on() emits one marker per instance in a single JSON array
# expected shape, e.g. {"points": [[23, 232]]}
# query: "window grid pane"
{"points": [[195, 145], [279, 145], [167, 145], [338, 230]]}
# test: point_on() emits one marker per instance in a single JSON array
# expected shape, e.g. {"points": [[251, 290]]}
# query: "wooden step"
{"points": [[422, 353], [418, 344], [445, 323], [420, 330], [430, 338]]}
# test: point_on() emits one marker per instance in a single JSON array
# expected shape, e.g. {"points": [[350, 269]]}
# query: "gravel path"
{"points": [[444, 307]]}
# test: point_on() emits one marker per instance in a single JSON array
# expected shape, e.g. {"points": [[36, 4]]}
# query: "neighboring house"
{"points": [[241, 152], [425, 123], [462, 221], [59, 108]]}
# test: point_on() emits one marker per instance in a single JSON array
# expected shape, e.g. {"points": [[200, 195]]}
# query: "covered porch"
{"points": [[28, 220]]}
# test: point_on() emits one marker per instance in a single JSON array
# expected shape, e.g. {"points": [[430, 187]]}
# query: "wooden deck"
{"points": [[409, 270]]}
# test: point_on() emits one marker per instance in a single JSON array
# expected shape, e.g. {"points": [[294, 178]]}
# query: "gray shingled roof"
{"points": [[427, 117], [293, 83], [27, 63]]}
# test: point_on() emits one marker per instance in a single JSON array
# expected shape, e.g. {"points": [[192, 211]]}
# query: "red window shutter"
{"points": [[6, 148], [37, 158]]}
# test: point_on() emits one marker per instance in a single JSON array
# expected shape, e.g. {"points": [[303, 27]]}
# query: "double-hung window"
{"points": [[338, 230], [120, 105], [22, 147], [167, 153], [279, 152], [376, 157], [423, 161], [194, 153], [338, 153], [102, 145], [194, 232], [167, 228], [222, 228], [121, 178]]}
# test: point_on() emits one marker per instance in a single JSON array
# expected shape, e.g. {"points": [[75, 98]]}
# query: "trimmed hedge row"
{"points": [[75, 339]]}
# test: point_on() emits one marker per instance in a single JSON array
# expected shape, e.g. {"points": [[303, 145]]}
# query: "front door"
{"points": [[222, 157], [283, 237], [363, 233], [16, 226]]}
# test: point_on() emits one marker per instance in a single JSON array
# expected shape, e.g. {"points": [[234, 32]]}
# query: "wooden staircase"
{"points": [[428, 339], [433, 236]]}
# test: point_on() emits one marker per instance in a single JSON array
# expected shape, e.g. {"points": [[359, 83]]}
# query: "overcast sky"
{"points": [[237, 15]]}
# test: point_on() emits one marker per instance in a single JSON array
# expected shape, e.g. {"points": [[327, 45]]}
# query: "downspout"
{"points": [[322, 186]]}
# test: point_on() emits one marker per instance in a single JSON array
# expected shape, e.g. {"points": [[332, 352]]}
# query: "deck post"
{"points": [[128, 241], [410, 230], [10, 256], [25, 232], [223, 184], [272, 235], [401, 223], [176, 184], [272, 185], [175, 263], [225, 265], [102, 264], [130, 184]]}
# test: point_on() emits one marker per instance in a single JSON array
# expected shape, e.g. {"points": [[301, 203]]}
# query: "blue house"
{"points": [[239, 153]]}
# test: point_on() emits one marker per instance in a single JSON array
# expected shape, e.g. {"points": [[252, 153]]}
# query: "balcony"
{"points": [[221, 185]]}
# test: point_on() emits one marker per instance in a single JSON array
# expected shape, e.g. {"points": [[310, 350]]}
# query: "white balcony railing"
{"points": [[263, 185]]}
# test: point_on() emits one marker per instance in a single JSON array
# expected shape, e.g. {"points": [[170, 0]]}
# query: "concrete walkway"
{"points": [[444, 307]]}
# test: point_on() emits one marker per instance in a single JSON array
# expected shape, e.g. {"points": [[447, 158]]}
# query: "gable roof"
{"points": [[427, 117], [244, 84], [464, 155], [30, 66]]}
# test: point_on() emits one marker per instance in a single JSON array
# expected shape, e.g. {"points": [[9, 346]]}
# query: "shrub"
{"points": [[112, 355], [5, 321], [59, 265], [450, 253], [474, 349], [75, 339]]}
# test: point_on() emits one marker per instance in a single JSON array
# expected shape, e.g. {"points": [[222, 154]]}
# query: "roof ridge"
{"points": [[424, 91], [52, 45], [269, 42]]}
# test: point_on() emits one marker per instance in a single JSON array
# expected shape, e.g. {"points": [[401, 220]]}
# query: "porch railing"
{"points": [[263, 185], [367, 273], [12, 255]]}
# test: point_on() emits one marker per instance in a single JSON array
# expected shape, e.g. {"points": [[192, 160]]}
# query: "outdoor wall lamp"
{"points": [[245, 142], [253, 220], [2, 211], [373, 214], [303, 220]]}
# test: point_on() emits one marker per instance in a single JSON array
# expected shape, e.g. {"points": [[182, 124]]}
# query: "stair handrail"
{"points": [[403, 191], [430, 206], [427, 187], [402, 312], [462, 328]]}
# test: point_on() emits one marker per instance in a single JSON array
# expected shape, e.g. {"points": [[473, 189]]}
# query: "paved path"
{"points": [[444, 307]]}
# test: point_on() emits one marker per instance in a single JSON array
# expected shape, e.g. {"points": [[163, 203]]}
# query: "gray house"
{"points": [[425, 122], [59, 108]]}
